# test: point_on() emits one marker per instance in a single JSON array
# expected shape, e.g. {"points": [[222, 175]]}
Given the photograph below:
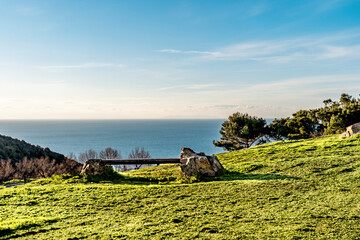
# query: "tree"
{"points": [[89, 154], [242, 131], [346, 99], [44, 167], [72, 156], [25, 169], [278, 129], [109, 153], [304, 124], [6, 170], [139, 153], [334, 117]]}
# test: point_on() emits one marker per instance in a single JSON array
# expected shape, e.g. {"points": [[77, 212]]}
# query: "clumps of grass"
{"points": [[60, 179], [13, 181], [163, 173], [109, 175], [9, 227]]}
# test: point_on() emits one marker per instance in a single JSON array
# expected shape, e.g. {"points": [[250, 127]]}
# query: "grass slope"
{"points": [[307, 189]]}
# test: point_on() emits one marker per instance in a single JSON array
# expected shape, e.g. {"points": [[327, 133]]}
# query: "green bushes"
{"points": [[334, 117], [244, 131]]}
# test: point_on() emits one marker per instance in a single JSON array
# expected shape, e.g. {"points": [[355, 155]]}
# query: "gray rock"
{"points": [[94, 167], [351, 130], [198, 163]]}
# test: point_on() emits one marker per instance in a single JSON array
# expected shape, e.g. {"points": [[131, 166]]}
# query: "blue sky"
{"points": [[175, 59]]}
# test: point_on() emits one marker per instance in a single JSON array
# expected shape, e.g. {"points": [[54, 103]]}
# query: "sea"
{"points": [[162, 138]]}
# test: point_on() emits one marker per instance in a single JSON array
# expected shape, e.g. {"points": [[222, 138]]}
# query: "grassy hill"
{"points": [[306, 189]]}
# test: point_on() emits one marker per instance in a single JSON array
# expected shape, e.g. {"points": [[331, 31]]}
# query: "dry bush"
{"points": [[69, 166], [109, 153], [72, 156], [6, 170], [89, 154], [44, 167], [139, 153], [37, 168], [25, 169]]}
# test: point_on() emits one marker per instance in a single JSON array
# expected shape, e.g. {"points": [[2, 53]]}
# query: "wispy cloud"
{"points": [[191, 87], [166, 88], [323, 6], [170, 51], [310, 48], [201, 86], [225, 106], [296, 83], [188, 52], [257, 9], [84, 65]]}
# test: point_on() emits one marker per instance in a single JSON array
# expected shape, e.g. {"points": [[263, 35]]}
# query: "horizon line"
{"points": [[103, 119]]}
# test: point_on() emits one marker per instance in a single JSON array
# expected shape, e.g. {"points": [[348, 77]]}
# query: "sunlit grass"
{"points": [[306, 189]]}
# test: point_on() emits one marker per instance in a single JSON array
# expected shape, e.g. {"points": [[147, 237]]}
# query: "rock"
{"points": [[94, 167], [351, 130], [198, 163]]}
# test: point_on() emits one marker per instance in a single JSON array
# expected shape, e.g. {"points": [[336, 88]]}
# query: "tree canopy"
{"points": [[334, 117], [241, 131]]}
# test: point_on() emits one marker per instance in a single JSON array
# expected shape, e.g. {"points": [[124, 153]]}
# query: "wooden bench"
{"points": [[137, 161]]}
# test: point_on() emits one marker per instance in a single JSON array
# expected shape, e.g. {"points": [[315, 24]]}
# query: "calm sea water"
{"points": [[162, 138]]}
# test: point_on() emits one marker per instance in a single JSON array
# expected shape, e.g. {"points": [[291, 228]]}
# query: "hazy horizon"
{"points": [[175, 59]]}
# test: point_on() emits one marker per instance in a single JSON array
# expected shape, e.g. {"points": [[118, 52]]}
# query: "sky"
{"points": [[161, 59]]}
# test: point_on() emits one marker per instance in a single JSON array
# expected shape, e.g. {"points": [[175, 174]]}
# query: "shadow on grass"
{"points": [[224, 175], [227, 175], [159, 177], [5, 232], [11, 233]]}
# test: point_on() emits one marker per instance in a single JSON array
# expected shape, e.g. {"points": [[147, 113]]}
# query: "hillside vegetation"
{"points": [[19, 159], [17, 150], [300, 189]]}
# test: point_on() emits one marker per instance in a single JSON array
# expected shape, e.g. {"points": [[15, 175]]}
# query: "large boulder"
{"points": [[198, 163], [351, 130], [94, 167]]}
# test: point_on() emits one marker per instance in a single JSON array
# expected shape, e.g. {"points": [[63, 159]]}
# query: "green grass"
{"points": [[307, 189]]}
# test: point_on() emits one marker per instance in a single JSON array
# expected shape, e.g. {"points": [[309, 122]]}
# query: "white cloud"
{"points": [[193, 87], [170, 51], [166, 88], [340, 51], [188, 52], [328, 5], [225, 106], [84, 65], [296, 83], [202, 86], [310, 48], [257, 9]]}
